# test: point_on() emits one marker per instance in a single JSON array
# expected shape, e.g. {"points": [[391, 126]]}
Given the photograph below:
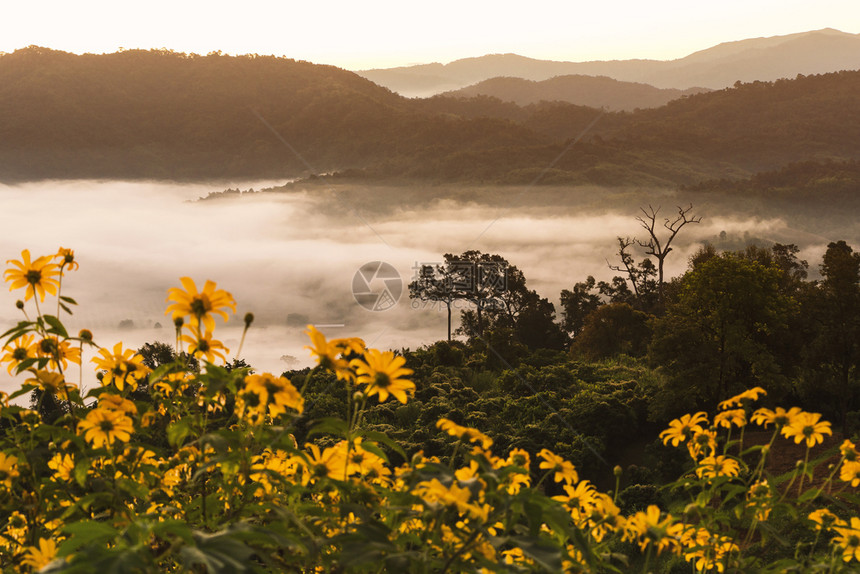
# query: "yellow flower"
{"points": [[728, 418], [714, 466], [63, 465], [516, 556], [20, 350], [111, 402], [276, 394], [37, 276], [37, 558], [361, 461], [518, 457], [8, 469], [704, 442], [579, 501], [16, 527], [326, 464], [850, 472], [605, 517], [434, 492], [176, 382], [467, 434], [199, 306], [58, 352], [779, 417], [202, 345], [848, 538], [706, 549], [102, 427], [849, 451], [121, 367], [330, 354], [682, 429], [52, 383], [515, 481], [647, 529], [824, 519], [67, 259], [269, 465], [564, 470], [760, 500], [737, 400], [806, 427], [382, 372]]}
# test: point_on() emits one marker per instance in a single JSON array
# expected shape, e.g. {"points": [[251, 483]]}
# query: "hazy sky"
{"points": [[385, 33]]}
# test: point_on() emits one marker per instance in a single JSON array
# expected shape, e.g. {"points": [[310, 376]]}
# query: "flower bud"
{"points": [[178, 322], [617, 470], [19, 304], [358, 396], [86, 335], [249, 318]]}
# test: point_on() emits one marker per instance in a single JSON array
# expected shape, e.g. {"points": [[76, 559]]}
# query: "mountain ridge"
{"points": [[593, 91], [162, 115], [717, 67]]}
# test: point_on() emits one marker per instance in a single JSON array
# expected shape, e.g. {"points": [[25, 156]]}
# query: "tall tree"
{"points": [[840, 335], [435, 282], [577, 304], [722, 332]]}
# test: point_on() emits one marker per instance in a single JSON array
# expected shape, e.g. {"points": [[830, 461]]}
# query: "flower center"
{"points": [[382, 380], [200, 306], [34, 276]]}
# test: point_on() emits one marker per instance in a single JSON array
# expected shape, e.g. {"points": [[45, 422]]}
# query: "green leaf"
{"points": [[178, 528], [809, 495], [132, 487], [18, 330], [534, 513], [86, 532], [57, 327], [82, 467], [25, 388], [545, 554], [384, 439], [68, 300], [329, 425], [177, 432]]}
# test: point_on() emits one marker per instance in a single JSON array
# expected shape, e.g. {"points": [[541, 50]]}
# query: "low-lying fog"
{"points": [[290, 257]]}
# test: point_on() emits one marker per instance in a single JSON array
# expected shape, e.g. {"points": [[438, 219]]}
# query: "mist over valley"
{"points": [[289, 254]]}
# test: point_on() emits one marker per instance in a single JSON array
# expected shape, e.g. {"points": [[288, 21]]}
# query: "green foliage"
{"points": [[720, 333]]}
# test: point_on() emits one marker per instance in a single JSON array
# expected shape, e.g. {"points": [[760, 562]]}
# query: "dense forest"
{"points": [[625, 356], [165, 115]]}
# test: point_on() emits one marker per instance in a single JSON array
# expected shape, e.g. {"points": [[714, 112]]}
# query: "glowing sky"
{"points": [[385, 33]]}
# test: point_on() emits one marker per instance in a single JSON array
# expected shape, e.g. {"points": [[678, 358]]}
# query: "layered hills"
{"points": [[166, 115], [762, 59], [594, 91]]}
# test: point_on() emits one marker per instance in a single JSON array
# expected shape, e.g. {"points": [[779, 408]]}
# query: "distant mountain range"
{"points": [[164, 115], [762, 59], [593, 91]]}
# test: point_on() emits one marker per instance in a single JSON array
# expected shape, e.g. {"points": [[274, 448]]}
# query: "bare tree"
{"points": [[653, 246]]}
